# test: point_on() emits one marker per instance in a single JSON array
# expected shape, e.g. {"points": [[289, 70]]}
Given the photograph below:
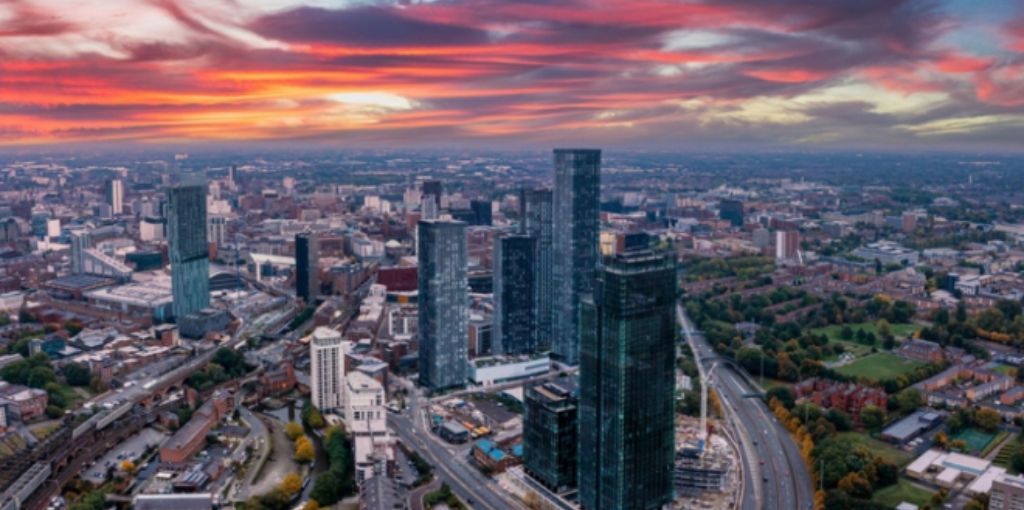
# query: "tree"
{"points": [[961, 312], [783, 394], [291, 484], [958, 444], [909, 400], [941, 440], [293, 430], [846, 333], [311, 505], [855, 485], [884, 330], [1017, 459], [988, 419], [77, 374], [303, 450], [128, 466], [839, 419], [872, 417]]}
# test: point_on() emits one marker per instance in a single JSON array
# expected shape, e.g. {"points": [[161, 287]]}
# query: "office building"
{"points": [[537, 221], [731, 210], [1007, 493], [307, 267], [115, 196], [188, 248], [626, 380], [482, 212], [443, 304], [576, 223], [327, 353], [550, 433], [515, 311], [217, 230]]}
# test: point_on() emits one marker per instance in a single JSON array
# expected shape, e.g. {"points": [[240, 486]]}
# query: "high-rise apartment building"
{"points": [[188, 248], [576, 224], [115, 196], [327, 353], [1007, 493], [515, 282], [307, 267], [787, 244], [626, 383], [550, 433], [443, 304], [537, 221]]}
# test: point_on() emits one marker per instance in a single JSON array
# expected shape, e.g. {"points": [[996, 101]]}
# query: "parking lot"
{"points": [[131, 449]]}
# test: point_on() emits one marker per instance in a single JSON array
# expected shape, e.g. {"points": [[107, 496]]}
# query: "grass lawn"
{"points": [[879, 448], [1000, 437], [879, 366], [1005, 369], [899, 492], [976, 439], [1003, 457], [899, 331]]}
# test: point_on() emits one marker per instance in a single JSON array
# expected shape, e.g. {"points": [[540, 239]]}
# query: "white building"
{"points": [[151, 229], [327, 368], [366, 418], [216, 230]]}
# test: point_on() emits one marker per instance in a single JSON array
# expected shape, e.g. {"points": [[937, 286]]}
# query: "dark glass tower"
{"points": [[576, 223], [189, 251], [537, 222], [627, 357], [731, 210], [307, 261], [515, 281], [443, 304], [549, 433], [482, 214]]}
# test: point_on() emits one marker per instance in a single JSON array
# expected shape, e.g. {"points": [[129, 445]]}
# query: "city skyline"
{"points": [[908, 74]]}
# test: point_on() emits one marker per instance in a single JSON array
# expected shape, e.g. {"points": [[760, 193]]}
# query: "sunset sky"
{"points": [[904, 74]]}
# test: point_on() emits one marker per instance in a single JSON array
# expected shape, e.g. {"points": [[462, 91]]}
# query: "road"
{"points": [[468, 483], [773, 471]]}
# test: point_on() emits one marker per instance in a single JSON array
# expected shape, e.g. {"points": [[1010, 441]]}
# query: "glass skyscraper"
{"points": [[626, 380], [515, 281], [550, 433], [538, 222], [576, 222], [189, 251], [443, 304], [307, 261]]}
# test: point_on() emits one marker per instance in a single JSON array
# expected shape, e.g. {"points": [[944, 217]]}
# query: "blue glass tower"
{"points": [[189, 251], [538, 222], [515, 311], [627, 364], [576, 223], [443, 304]]}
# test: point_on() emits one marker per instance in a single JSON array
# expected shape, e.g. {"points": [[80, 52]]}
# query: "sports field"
{"points": [[976, 439], [879, 367]]}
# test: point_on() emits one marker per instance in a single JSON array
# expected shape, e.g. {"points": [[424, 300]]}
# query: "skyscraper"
{"points": [[515, 281], [576, 223], [307, 270], [443, 303], [217, 230], [188, 248], [327, 369], [115, 196], [81, 240], [538, 222], [550, 433], [482, 213], [627, 363], [732, 210]]}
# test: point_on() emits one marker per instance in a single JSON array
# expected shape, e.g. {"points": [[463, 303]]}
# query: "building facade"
{"points": [[307, 267], [626, 415], [188, 248], [327, 353], [577, 203], [550, 434], [515, 311], [443, 302], [115, 196], [538, 222]]}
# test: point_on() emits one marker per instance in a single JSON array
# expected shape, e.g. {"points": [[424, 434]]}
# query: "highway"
{"points": [[773, 471]]}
